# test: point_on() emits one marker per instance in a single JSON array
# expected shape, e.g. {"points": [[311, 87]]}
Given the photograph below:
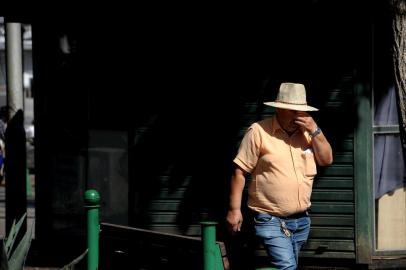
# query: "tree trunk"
{"points": [[399, 61]]}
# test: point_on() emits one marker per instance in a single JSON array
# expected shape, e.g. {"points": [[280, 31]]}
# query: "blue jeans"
{"points": [[283, 250]]}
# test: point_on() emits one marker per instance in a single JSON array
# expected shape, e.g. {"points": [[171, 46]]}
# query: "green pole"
{"points": [[209, 244], [92, 204]]}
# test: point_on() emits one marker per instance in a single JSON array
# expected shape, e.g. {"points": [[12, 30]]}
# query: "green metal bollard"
{"points": [[209, 244], [92, 205]]}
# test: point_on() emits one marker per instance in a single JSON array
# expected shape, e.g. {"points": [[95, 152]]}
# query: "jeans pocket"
{"points": [[261, 219]]}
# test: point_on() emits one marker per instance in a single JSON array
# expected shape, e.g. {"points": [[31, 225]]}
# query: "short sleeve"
{"points": [[249, 150]]}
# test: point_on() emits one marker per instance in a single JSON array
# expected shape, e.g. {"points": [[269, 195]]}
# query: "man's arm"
{"points": [[234, 215], [322, 150], [321, 147]]}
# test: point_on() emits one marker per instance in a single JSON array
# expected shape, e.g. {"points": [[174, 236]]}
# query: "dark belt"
{"points": [[297, 215]]}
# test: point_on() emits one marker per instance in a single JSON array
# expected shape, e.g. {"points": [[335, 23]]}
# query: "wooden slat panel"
{"points": [[334, 105], [336, 170], [166, 193], [321, 245], [163, 218], [333, 182], [332, 220], [163, 205], [332, 195], [345, 145], [332, 255], [343, 157], [331, 233], [332, 208], [340, 95]]}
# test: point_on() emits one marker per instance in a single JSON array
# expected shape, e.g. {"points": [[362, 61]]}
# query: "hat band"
{"points": [[293, 103]]}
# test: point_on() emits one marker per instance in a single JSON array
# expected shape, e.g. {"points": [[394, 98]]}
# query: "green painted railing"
{"points": [[92, 205], [212, 259]]}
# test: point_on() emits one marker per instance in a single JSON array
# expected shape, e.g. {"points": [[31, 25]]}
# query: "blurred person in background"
{"points": [[3, 126]]}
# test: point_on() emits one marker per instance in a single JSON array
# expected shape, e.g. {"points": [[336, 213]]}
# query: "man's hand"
{"points": [[234, 221], [305, 121]]}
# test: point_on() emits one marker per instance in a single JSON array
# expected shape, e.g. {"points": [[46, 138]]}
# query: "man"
{"points": [[280, 153]]}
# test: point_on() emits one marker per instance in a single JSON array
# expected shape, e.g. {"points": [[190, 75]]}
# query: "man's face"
{"points": [[286, 119]]}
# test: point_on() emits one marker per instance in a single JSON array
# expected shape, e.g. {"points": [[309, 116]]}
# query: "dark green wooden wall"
{"points": [[333, 212], [184, 88]]}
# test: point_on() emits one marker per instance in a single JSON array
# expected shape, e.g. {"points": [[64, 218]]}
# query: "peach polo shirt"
{"points": [[282, 168]]}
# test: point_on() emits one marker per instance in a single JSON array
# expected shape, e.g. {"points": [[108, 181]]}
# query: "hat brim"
{"points": [[304, 108]]}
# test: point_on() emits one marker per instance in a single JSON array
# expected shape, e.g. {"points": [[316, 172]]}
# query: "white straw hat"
{"points": [[291, 96]]}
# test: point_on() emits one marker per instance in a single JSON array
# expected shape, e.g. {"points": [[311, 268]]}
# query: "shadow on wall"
{"points": [[182, 159]]}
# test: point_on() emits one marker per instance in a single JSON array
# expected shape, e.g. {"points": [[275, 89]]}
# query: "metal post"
{"points": [[92, 204], [14, 51], [15, 164], [209, 244]]}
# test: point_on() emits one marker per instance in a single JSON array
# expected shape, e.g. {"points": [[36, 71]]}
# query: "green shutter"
{"points": [[332, 212]]}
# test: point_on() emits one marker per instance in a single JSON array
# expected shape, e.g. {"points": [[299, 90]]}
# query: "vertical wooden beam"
{"points": [[363, 180]]}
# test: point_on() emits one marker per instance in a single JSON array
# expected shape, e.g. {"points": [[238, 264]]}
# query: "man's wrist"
{"points": [[316, 132]]}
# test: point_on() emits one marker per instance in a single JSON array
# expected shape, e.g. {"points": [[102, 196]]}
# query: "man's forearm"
{"points": [[322, 150], [237, 187]]}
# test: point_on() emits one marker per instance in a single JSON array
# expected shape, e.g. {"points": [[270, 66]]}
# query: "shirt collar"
{"points": [[276, 126]]}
